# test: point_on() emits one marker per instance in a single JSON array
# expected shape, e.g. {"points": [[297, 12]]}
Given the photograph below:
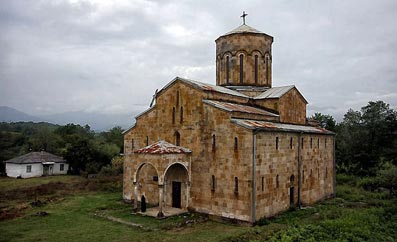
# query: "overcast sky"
{"points": [[110, 56]]}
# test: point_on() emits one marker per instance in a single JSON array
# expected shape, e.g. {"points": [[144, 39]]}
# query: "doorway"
{"points": [[176, 194]]}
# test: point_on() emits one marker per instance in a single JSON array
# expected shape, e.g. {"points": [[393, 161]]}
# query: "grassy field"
{"points": [[87, 214]]}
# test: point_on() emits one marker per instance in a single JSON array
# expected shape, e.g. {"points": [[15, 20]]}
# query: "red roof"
{"points": [[162, 147]]}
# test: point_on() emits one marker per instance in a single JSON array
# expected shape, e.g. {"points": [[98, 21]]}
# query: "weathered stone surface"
{"points": [[232, 171]]}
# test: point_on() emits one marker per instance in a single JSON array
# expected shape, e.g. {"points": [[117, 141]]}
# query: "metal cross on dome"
{"points": [[243, 16]]}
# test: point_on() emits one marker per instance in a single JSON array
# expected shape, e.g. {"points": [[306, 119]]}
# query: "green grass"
{"points": [[7, 183], [354, 215]]}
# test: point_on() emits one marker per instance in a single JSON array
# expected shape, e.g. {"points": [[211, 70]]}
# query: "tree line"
{"points": [[84, 149], [366, 141]]}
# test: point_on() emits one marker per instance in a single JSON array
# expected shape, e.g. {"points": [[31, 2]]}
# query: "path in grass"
{"points": [[73, 219]]}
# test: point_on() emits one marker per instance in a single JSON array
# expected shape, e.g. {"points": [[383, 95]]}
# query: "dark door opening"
{"points": [[291, 196], [176, 194]]}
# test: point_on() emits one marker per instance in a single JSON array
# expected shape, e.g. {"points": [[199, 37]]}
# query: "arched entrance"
{"points": [[147, 183], [176, 186]]}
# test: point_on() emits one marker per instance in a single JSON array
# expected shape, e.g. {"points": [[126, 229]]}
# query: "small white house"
{"points": [[36, 164]]}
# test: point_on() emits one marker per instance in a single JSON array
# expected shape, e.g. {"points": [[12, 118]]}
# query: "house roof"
{"points": [[163, 147], [233, 107], [277, 92], [272, 126], [205, 87], [36, 157]]}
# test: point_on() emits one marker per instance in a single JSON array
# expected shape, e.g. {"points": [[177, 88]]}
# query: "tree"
{"points": [[325, 121]]}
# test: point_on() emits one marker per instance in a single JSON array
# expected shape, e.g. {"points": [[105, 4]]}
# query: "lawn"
{"points": [[354, 215]]}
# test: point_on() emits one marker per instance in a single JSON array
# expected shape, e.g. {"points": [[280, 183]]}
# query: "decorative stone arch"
{"points": [[149, 187], [176, 182]]}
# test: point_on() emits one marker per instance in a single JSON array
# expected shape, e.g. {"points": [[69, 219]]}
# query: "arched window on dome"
{"points": [[256, 69], [241, 69], [227, 69]]}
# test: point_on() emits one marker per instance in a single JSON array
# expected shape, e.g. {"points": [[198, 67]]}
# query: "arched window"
{"points": [[267, 68], [181, 118], [311, 172], [235, 144], [277, 182], [213, 142], [227, 69], [276, 143], [147, 140], [236, 184], [173, 115], [318, 143], [291, 180], [177, 138], [241, 69], [213, 183], [290, 142], [256, 69]]}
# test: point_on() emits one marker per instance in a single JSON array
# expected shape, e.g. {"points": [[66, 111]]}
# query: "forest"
{"points": [[366, 142]]}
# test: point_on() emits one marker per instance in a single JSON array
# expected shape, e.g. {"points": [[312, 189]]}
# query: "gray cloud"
{"points": [[110, 56]]}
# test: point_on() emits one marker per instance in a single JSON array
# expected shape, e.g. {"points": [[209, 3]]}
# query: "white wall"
{"points": [[15, 170], [57, 169]]}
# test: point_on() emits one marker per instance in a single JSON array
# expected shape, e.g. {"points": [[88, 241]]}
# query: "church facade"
{"points": [[241, 149]]}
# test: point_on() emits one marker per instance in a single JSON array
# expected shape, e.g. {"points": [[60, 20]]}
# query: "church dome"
{"points": [[243, 58]]}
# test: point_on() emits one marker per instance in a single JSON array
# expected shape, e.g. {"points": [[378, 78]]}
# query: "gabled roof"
{"points": [[233, 107], [277, 92], [272, 126], [36, 157], [162, 147], [205, 87]]}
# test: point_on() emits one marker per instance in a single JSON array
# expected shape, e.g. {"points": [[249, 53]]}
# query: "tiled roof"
{"points": [[277, 92], [36, 157], [244, 29], [162, 147], [233, 107], [206, 87], [271, 126]]}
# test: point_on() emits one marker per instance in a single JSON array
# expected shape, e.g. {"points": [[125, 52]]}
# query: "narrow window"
{"points": [[311, 172], [291, 180], [325, 142], [62, 167], [181, 118], [302, 143], [303, 176], [147, 140], [236, 184], [177, 98], [318, 143], [326, 172], [263, 183], [241, 69], [311, 143], [267, 68], [276, 143], [28, 169], [318, 171], [227, 69], [213, 142], [290, 142], [177, 139], [132, 144], [173, 115], [235, 144], [256, 68], [213, 183], [277, 183]]}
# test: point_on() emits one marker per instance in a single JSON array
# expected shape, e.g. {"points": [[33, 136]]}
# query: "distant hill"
{"points": [[8, 114], [97, 121]]}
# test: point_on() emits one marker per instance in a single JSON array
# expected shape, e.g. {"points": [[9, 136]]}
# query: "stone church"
{"points": [[241, 149]]}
